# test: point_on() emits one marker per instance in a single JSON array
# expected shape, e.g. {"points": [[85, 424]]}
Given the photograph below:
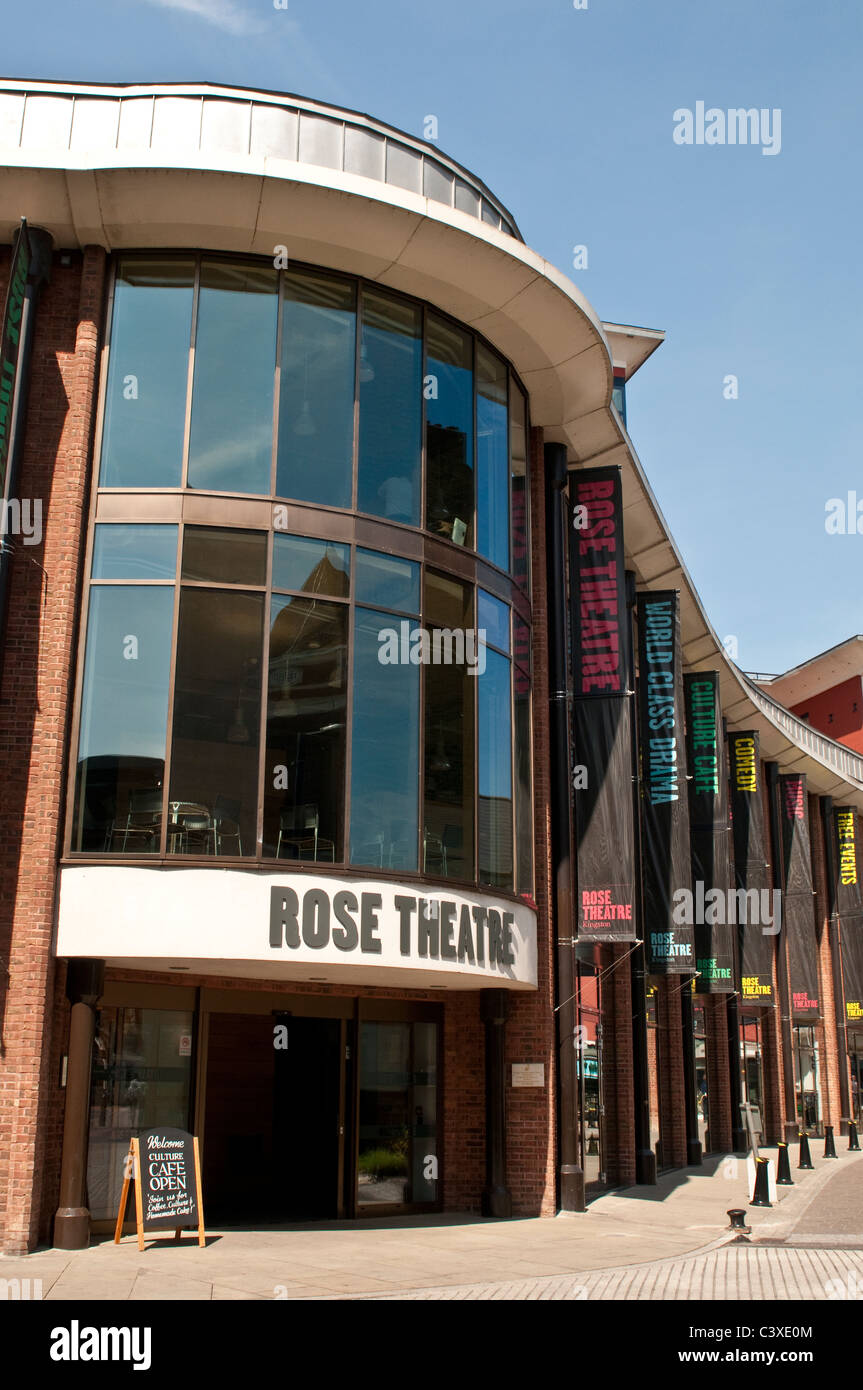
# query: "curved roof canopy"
{"points": [[201, 166]]}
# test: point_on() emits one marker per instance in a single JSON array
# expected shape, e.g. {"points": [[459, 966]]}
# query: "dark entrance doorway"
{"points": [[274, 1128]]}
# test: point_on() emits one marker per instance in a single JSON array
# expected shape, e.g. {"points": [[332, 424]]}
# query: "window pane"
{"points": [[316, 400], [493, 616], [223, 556], [492, 458], [390, 409], [449, 432], [523, 795], [145, 406], [388, 582], [231, 444], [495, 773], [318, 567], [124, 714], [141, 1076], [304, 775], [520, 496], [217, 701], [135, 552], [449, 739], [385, 750]]}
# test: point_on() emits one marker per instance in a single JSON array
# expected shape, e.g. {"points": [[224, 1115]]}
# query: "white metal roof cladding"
{"points": [[202, 119], [221, 168]]}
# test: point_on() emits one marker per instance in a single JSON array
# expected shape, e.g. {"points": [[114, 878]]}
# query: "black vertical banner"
{"points": [[798, 913], [664, 811], [753, 911], [602, 708], [850, 910], [709, 834]]}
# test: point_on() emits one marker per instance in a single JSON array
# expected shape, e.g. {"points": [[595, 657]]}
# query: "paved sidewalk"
{"points": [[604, 1251]]}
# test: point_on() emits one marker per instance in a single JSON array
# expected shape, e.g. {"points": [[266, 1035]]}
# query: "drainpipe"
{"points": [[739, 1138], [782, 978], [826, 803], [570, 1173]]}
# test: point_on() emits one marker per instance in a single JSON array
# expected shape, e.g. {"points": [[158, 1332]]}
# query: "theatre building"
{"points": [[376, 791]]}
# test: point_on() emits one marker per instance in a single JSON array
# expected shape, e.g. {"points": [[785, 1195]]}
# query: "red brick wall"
{"points": [[718, 1080], [672, 1091], [837, 712], [618, 1083], [531, 1029], [37, 674]]}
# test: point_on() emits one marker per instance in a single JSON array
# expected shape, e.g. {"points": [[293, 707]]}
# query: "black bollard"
{"points": [[805, 1156], [829, 1146], [853, 1141], [783, 1168], [761, 1195], [738, 1222]]}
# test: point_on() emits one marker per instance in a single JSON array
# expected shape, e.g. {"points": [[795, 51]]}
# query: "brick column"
{"points": [[618, 1087], [719, 1136], [672, 1112], [37, 686]]}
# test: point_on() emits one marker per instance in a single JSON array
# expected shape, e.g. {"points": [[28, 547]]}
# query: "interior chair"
{"points": [[194, 831], [143, 818], [225, 824], [299, 826]]}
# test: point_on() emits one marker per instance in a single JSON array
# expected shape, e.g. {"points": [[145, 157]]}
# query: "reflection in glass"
{"points": [[316, 400], [304, 773], [217, 700], [397, 1114], [221, 555], [387, 582], [448, 839], [231, 443], [316, 567], [145, 400], [390, 375], [141, 1076], [492, 458], [449, 431], [124, 712], [494, 818], [523, 795], [493, 617], [520, 499], [134, 552], [385, 751]]}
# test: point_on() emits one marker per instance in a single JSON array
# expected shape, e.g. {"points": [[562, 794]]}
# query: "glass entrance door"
{"points": [[588, 1062], [397, 1159], [751, 1067], [806, 1079]]}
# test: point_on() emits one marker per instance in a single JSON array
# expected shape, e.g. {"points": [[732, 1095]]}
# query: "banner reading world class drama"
{"points": [[664, 811], [755, 945], [709, 834], [602, 708], [797, 901], [849, 906]]}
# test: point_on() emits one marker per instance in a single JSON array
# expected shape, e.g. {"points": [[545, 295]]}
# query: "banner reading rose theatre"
{"points": [[797, 906], [709, 834], [664, 810], [849, 906], [602, 732]]}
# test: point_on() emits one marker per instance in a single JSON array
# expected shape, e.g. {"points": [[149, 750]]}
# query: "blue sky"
{"points": [[749, 262]]}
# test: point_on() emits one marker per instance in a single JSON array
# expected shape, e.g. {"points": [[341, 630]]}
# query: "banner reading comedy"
{"points": [[755, 922], [602, 708]]}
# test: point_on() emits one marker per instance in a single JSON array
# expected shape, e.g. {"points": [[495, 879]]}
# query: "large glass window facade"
{"points": [[265, 683]]}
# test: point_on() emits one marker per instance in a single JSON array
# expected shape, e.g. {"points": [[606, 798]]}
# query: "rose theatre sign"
{"points": [[295, 926]]}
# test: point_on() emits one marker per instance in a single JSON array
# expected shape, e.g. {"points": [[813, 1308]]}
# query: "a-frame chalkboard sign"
{"points": [[165, 1166]]}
